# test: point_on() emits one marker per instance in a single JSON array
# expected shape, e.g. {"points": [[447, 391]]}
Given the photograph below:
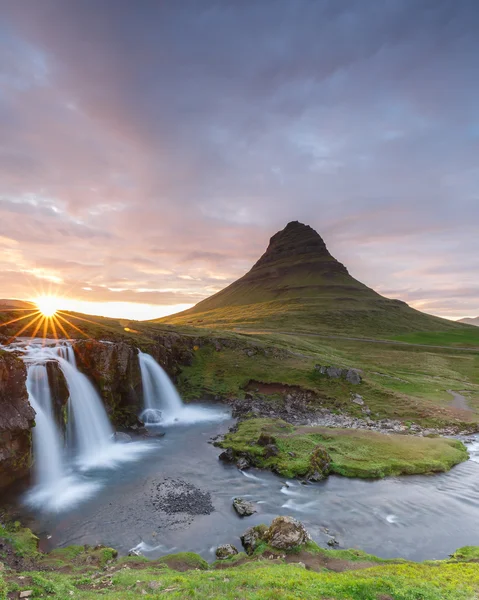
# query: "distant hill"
{"points": [[470, 321], [297, 285], [7, 303]]}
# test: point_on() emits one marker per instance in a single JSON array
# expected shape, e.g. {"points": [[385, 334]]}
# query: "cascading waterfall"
{"points": [[49, 466], [161, 401], [160, 398], [92, 431], [57, 485]]}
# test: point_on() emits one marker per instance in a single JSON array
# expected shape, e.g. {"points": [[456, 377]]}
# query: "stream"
{"points": [[413, 517]]}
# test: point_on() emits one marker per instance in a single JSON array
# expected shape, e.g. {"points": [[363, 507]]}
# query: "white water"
{"points": [[46, 438], [58, 484], [162, 403]]}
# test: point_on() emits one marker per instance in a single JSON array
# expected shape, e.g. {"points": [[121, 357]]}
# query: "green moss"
{"points": [[466, 553], [354, 453], [184, 561], [24, 542]]}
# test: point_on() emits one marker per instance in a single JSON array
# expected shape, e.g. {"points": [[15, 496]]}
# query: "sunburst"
{"points": [[46, 318]]}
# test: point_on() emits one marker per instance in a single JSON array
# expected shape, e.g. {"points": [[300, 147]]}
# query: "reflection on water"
{"points": [[417, 517]]}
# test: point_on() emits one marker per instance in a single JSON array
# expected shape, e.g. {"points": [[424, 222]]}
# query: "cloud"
{"points": [[163, 143]]}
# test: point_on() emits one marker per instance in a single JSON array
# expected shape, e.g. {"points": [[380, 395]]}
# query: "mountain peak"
{"points": [[295, 241]]}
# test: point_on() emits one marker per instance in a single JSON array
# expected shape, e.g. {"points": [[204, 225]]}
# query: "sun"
{"points": [[47, 305]]}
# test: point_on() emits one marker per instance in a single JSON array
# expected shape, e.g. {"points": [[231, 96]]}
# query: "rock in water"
{"points": [[225, 551], [243, 464], [243, 507], [285, 533]]}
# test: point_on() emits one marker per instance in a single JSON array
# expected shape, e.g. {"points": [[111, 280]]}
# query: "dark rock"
{"points": [[286, 533], [270, 451], [353, 377], [225, 551], [266, 440], [243, 507], [227, 455], [243, 463], [252, 537], [333, 542], [17, 418], [320, 464]]}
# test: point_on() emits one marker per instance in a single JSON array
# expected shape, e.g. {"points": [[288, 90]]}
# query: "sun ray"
{"points": [[39, 324], [45, 330], [61, 312], [63, 330], [54, 329], [71, 325], [23, 328], [20, 318]]}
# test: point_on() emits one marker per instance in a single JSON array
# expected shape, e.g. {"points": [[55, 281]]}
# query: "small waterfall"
{"points": [[92, 431], [162, 403], [161, 400], [46, 438]]}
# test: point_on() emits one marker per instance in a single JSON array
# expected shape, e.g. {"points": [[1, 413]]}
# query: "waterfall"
{"points": [[92, 431], [46, 438], [161, 401], [160, 398]]}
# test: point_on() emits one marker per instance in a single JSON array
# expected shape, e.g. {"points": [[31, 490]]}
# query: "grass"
{"points": [[354, 453], [257, 580]]}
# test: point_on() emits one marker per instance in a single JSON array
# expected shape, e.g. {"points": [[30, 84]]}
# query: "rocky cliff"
{"points": [[17, 418], [115, 370]]}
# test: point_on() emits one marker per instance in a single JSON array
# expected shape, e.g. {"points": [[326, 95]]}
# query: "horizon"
{"points": [[135, 185]]}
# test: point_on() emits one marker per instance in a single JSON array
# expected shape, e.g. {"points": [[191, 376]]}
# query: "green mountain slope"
{"points": [[297, 285]]}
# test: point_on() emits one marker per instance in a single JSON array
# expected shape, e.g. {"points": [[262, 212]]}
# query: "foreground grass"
{"points": [[256, 579], [354, 453]]}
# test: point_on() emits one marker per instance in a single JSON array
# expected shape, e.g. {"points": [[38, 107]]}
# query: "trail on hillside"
{"points": [[459, 401]]}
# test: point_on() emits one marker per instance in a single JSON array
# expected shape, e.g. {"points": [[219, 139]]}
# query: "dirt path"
{"points": [[352, 339], [458, 401]]}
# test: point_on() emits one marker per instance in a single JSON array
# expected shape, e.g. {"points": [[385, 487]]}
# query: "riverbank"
{"points": [[314, 452], [304, 571]]}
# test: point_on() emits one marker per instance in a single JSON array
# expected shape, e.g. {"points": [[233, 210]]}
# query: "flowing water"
{"points": [[99, 491], [414, 517], [162, 403]]}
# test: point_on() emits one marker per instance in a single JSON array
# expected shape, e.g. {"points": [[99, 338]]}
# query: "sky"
{"points": [[150, 149]]}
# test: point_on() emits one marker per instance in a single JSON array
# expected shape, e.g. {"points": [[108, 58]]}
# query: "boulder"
{"points": [[225, 551], [243, 463], [253, 537], [286, 533], [353, 377], [357, 399], [243, 507], [270, 450], [319, 464], [227, 456]]}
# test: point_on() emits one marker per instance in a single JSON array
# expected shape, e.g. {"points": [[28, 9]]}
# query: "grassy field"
{"points": [[354, 453], [307, 572]]}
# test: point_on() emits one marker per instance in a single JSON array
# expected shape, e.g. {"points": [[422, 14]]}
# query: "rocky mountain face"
{"points": [[16, 420]]}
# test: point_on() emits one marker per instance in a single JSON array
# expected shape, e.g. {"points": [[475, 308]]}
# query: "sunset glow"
{"points": [[47, 305]]}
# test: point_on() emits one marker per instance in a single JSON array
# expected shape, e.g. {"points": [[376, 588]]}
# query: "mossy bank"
{"points": [[314, 452]]}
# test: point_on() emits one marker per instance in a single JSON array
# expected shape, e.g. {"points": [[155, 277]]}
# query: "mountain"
{"points": [[470, 321], [297, 285]]}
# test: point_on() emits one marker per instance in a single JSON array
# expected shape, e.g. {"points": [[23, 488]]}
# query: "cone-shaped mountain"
{"points": [[297, 285]]}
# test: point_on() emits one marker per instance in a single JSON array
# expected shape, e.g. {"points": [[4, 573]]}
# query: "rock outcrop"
{"points": [[225, 551], [351, 375], [284, 533], [17, 418]]}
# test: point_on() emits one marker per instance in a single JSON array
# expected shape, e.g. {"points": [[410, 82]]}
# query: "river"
{"points": [[413, 517]]}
